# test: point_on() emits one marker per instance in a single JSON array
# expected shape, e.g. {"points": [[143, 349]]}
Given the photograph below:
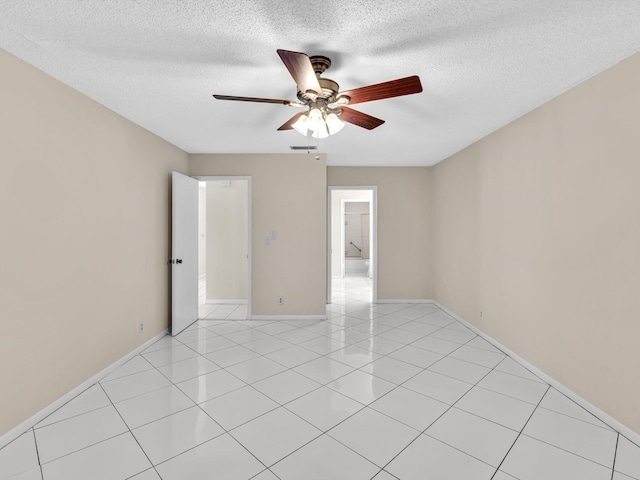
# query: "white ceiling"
{"points": [[482, 64]]}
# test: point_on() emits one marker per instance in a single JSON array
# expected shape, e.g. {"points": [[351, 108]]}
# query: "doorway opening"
{"points": [[352, 245], [224, 259]]}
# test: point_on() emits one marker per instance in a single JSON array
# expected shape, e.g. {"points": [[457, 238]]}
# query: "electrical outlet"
{"points": [[481, 314], [280, 300], [141, 326]]}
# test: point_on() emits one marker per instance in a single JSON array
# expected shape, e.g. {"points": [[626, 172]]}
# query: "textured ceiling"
{"points": [[482, 64]]}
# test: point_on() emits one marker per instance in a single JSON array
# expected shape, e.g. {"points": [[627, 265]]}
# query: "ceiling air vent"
{"points": [[303, 147]]}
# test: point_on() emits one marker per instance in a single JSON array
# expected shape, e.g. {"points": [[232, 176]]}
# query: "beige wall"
{"points": [[538, 225], [84, 209], [404, 222], [227, 237], [288, 197]]}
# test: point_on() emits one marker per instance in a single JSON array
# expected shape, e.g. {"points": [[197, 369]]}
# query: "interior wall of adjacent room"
{"points": [[226, 219], [337, 249], [356, 237], [538, 226], [404, 226], [84, 202], [288, 197]]}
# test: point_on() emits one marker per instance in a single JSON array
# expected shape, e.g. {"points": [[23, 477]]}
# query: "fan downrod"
{"points": [[320, 63]]}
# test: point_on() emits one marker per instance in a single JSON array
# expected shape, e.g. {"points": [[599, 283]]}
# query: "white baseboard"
{"points": [[225, 301], [288, 317], [413, 300], [14, 433], [603, 416]]}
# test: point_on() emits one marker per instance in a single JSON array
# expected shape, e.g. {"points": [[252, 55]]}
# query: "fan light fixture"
{"points": [[318, 122], [323, 99]]}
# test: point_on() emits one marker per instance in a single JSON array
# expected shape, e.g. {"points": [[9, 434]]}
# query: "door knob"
{"points": [[179, 260]]}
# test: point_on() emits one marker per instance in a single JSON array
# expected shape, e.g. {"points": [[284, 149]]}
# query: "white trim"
{"points": [[602, 416], [342, 236], [288, 317], [15, 432], [232, 178], [202, 277], [231, 301], [374, 244], [408, 300], [329, 251]]}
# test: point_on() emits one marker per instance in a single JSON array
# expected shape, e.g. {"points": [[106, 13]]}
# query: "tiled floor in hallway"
{"points": [[387, 391]]}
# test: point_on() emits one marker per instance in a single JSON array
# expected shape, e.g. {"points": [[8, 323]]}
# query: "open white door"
{"points": [[184, 252]]}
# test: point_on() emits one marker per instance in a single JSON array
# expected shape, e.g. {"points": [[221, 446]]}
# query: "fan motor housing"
{"points": [[330, 88]]}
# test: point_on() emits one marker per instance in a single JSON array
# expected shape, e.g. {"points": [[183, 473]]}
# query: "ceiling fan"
{"points": [[325, 106]]}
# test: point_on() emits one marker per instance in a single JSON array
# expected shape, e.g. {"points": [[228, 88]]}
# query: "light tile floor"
{"points": [[218, 311], [375, 392]]}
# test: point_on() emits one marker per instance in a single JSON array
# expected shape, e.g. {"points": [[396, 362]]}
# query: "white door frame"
{"points": [[233, 178], [343, 211], [374, 235]]}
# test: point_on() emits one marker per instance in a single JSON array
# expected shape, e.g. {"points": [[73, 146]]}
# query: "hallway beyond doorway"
{"points": [[218, 311], [355, 288], [342, 246]]}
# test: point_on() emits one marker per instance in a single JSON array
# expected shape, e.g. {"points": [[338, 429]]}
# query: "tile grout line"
{"points": [[60, 407], [476, 384], [35, 442], [281, 405], [322, 432], [132, 435], [365, 406], [607, 428], [615, 455], [86, 446], [432, 398], [196, 404], [441, 415], [294, 413], [278, 403], [473, 385], [382, 470], [567, 451], [520, 433]]}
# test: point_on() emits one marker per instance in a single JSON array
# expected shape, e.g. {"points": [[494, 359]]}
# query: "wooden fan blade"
{"points": [[379, 91], [301, 70], [253, 99], [360, 119], [288, 124]]}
